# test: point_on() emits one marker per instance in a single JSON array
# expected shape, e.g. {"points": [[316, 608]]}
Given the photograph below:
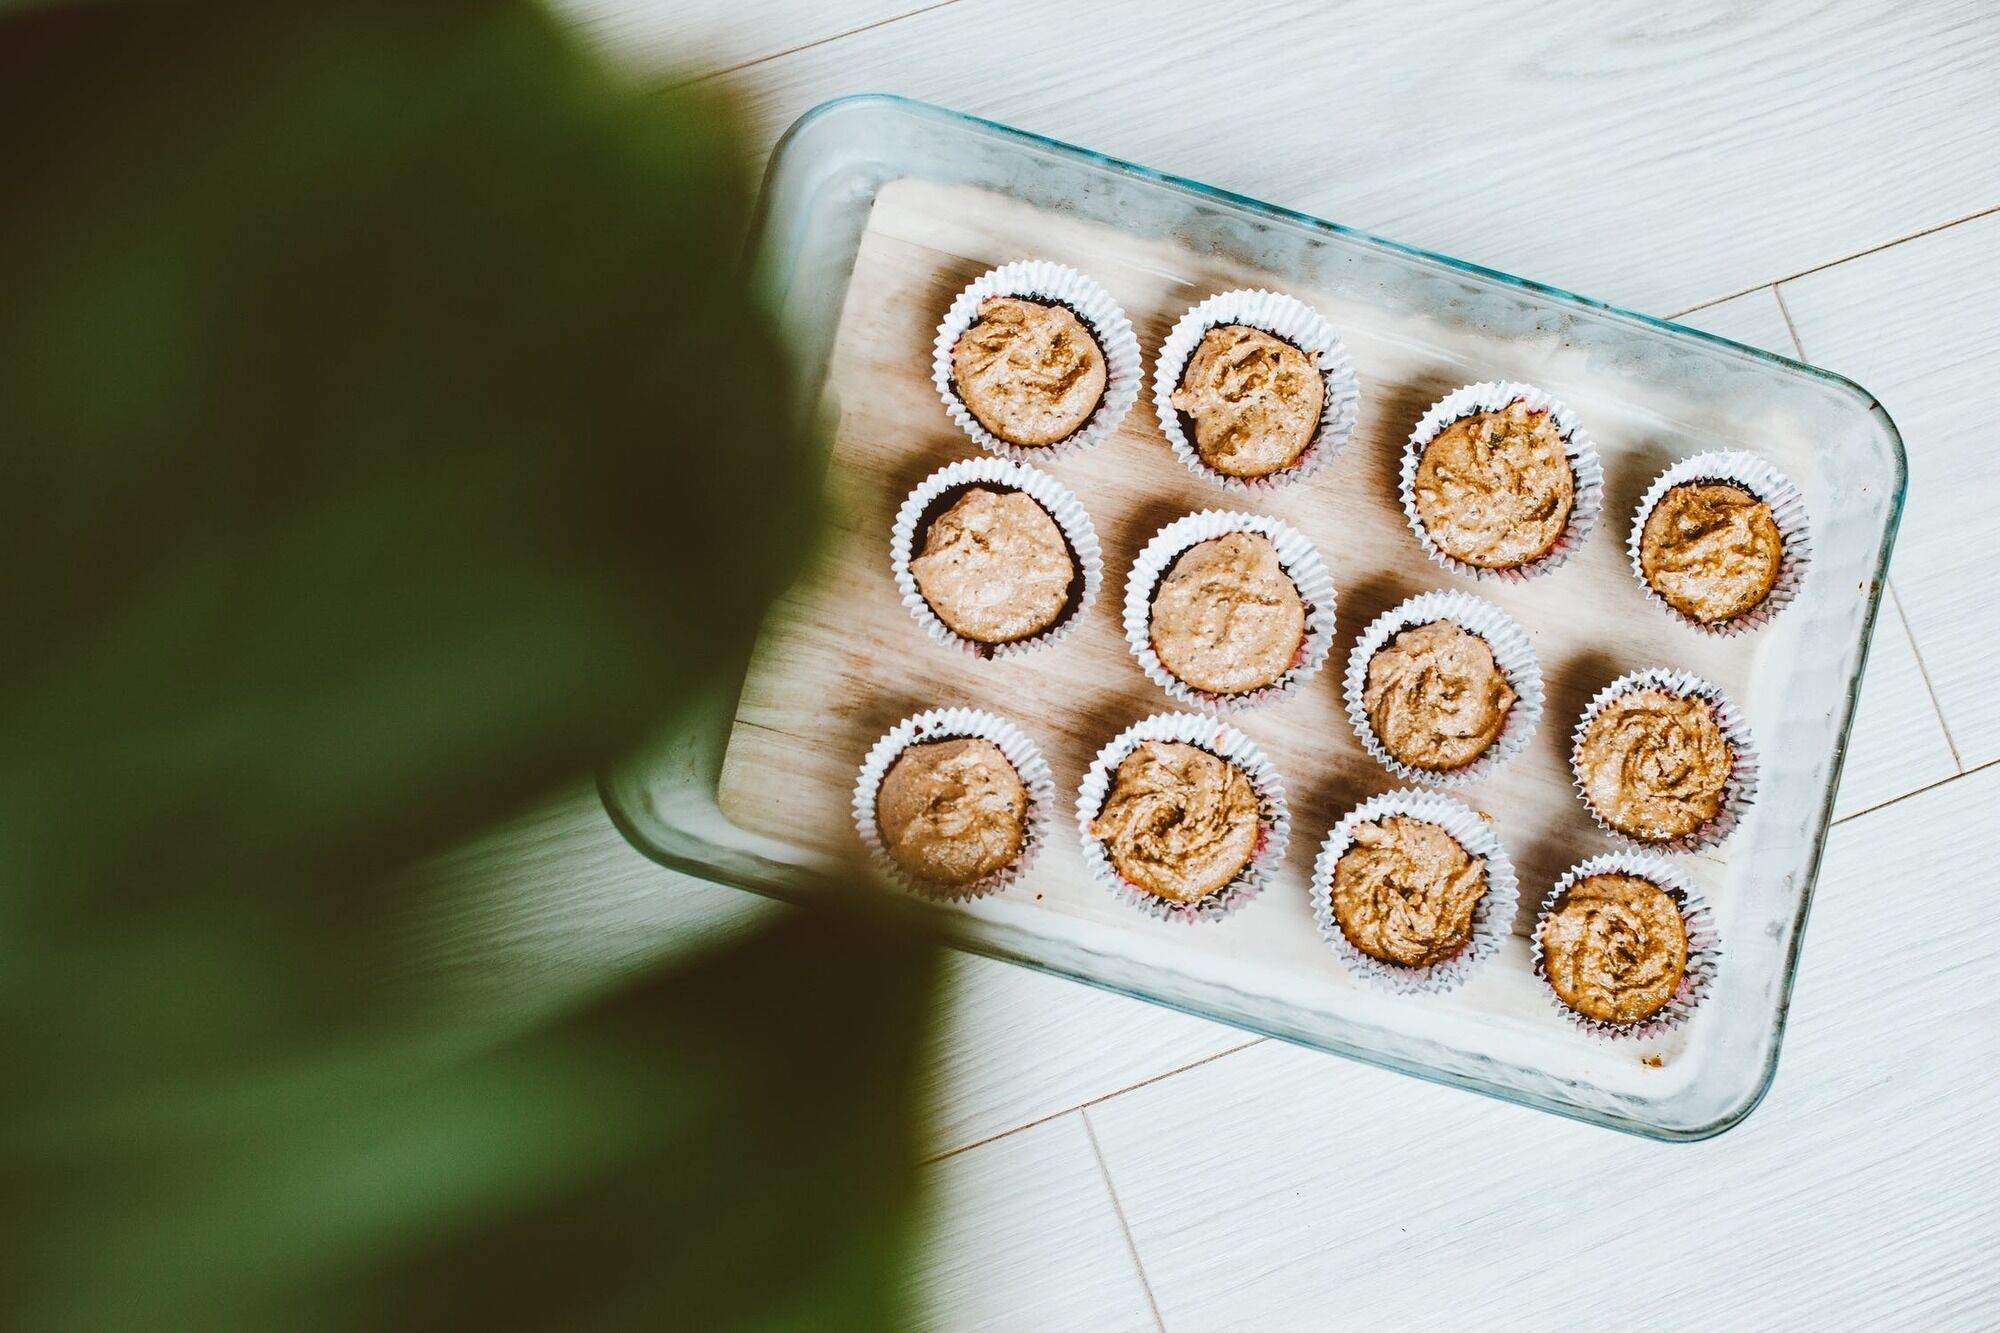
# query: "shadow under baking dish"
{"points": [[877, 211]]}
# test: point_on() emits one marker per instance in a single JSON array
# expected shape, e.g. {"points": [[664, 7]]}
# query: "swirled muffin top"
{"points": [[1178, 822], [1654, 765], [1435, 697], [1495, 489], [1030, 371], [1711, 549], [995, 567], [1255, 400], [1227, 618], [952, 812], [1405, 891], [1615, 948]]}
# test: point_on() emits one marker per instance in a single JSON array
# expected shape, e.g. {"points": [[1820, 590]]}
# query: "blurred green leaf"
{"points": [[389, 438]]}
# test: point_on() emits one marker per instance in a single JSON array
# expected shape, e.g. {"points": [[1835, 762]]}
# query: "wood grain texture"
{"points": [[1652, 157], [1864, 1194], [1898, 742], [1918, 325], [1023, 1235]]}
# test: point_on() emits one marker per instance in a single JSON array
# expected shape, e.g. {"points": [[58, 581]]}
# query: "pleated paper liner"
{"points": [[1697, 919], [1001, 475], [1226, 743], [1053, 284], [1493, 396], [943, 724], [1512, 653], [1289, 320], [1788, 511], [1738, 793], [1296, 556], [1492, 919]]}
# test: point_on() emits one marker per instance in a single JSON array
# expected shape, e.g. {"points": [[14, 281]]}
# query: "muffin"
{"points": [[1253, 399], [1654, 764], [1711, 550], [1435, 697], [995, 567], [1226, 618], [1178, 822], [1405, 891], [1614, 947], [952, 812], [1029, 371], [1495, 489]]}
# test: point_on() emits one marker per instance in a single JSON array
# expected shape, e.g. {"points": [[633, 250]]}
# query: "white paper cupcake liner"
{"points": [[1738, 793], [1282, 317], [1296, 556], [1704, 944], [1223, 741], [1491, 396], [1000, 474], [1788, 510], [1512, 653], [943, 724], [1492, 919], [1041, 280]]}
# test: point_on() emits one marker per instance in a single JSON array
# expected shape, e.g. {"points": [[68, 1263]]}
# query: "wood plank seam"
{"points": [[806, 46], [1249, 1041], [1849, 258], [1118, 1211], [1916, 650]]}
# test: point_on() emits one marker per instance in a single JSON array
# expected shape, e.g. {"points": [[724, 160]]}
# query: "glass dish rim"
{"points": [[1866, 402]]}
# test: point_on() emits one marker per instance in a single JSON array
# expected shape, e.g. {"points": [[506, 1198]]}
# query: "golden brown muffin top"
{"points": [[1654, 765], [1615, 948], [1711, 549], [1178, 822], [952, 812], [995, 566], [1227, 618], [1495, 489], [1435, 697], [1030, 371], [1255, 400], [1405, 891]]}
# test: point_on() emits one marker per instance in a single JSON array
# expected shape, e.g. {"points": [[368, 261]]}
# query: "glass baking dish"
{"points": [[1662, 389]]}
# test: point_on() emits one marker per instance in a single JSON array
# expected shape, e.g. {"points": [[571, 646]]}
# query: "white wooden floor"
{"points": [[1820, 179]]}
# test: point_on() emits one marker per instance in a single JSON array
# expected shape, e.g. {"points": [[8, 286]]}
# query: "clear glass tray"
{"points": [[967, 194]]}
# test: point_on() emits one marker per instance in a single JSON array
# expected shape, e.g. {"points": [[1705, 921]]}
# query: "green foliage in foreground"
{"points": [[388, 439]]}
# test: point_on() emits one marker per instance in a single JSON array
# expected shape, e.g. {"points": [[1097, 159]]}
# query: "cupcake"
{"points": [[1178, 821], [994, 566], [1227, 611], [953, 802], [1029, 371], [1443, 688], [1720, 541], [952, 812], [1254, 389], [1226, 618], [994, 556], [1034, 360], [1182, 817], [1253, 399], [1411, 889], [1625, 945], [1404, 891], [1499, 480], [1662, 758]]}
